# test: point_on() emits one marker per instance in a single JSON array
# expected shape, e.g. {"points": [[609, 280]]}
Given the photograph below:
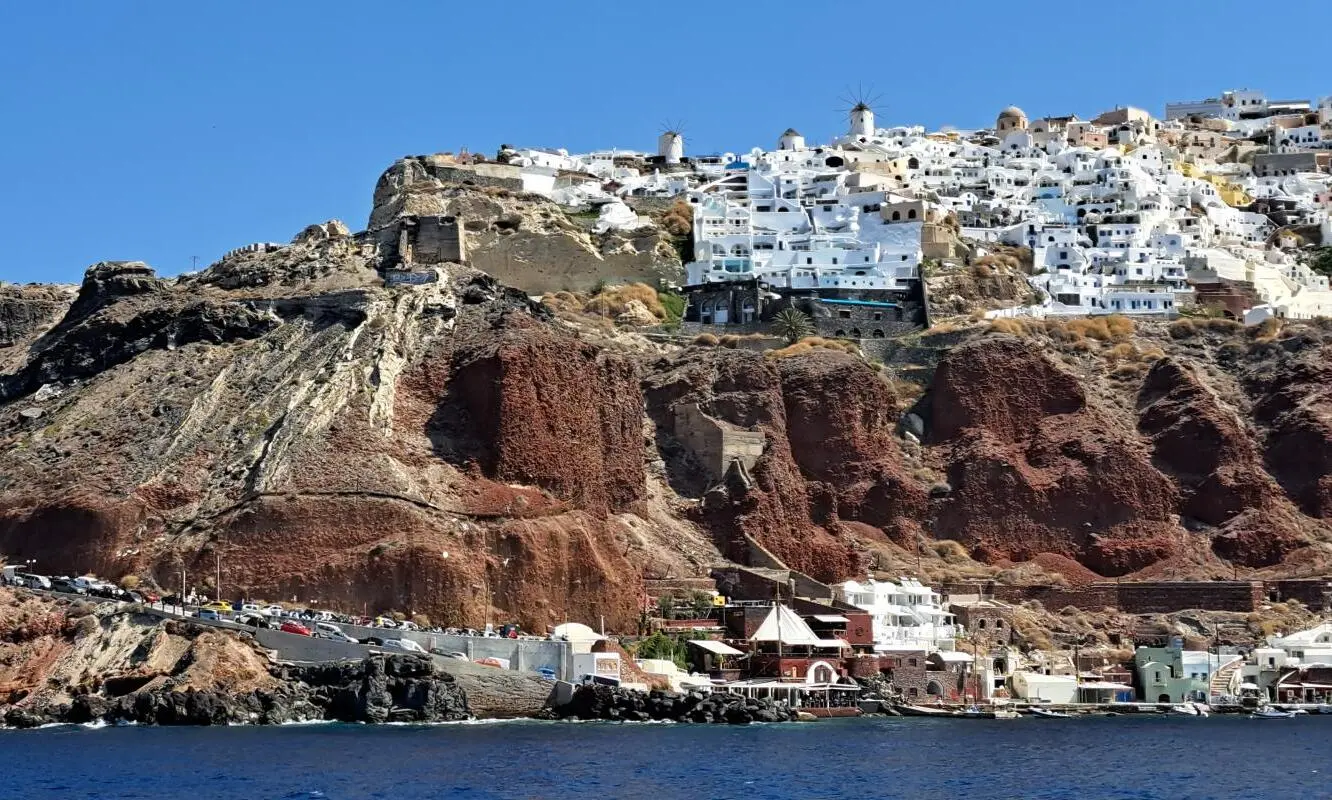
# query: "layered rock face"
{"points": [[434, 449]]}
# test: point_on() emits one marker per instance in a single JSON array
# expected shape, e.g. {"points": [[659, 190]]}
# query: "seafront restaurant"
{"points": [[819, 699], [791, 663]]}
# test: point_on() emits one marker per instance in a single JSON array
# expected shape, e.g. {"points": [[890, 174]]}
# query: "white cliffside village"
{"points": [[1222, 201]]}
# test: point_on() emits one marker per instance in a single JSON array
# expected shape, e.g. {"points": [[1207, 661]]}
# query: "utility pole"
{"points": [[217, 552]]}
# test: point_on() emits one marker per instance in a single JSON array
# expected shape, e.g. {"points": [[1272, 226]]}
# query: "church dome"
{"points": [[1012, 112]]}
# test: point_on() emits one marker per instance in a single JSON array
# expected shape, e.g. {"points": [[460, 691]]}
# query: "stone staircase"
{"points": [[1220, 682]]}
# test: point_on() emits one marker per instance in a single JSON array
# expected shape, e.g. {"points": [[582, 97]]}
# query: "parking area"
{"points": [[301, 635]]}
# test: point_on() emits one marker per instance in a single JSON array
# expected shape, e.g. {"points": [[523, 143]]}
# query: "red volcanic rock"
{"points": [[1201, 445], [1004, 385], [828, 423], [840, 420], [540, 406], [1035, 470], [1291, 400], [1261, 537]]}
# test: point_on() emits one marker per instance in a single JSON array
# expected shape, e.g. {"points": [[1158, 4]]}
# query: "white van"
{"points": [[327, 630], [406, 645]]}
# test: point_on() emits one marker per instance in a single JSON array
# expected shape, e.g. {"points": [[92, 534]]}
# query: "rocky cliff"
{"points": [[520, 238], [449, 447], [69, 662]]}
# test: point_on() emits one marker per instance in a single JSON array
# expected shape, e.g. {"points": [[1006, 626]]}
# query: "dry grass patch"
{"points": [[613, 301], [812, 343]]}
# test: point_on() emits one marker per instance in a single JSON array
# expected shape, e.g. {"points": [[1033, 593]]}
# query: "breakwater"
{"points": [[595, 702]]}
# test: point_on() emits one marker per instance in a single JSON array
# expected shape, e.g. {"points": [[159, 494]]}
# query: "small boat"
{"points": [[1045, 712], [1271, 713], [923, 711], [976, 712], [1187, 710], [1324, 708]]}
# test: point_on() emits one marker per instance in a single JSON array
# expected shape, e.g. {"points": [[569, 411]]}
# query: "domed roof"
{"points": [[791, 132], [1012, 111]]}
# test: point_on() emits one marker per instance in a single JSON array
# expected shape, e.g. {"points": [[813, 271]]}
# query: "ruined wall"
{"points": [[714, 443]]}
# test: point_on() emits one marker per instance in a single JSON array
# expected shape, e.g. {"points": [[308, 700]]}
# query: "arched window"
{"points": [[980, 626], [878, 333], [911, 214], [841, 334], [855, 333], [897, 215], [913, 163], [933, 688]]}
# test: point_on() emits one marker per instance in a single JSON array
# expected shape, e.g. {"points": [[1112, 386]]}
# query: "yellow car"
{"points": [[220, 606]]}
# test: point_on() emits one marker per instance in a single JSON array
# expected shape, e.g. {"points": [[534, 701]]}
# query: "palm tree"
{"points": [[791, 325]]}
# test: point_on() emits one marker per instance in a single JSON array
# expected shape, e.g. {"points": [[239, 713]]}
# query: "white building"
{"points": [[906, 615]]}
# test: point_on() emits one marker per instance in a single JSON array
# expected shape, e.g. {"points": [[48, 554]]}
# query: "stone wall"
{"points": [[906, 672], [496, 176], [423, 240], [1143, 598], [1314, 593], [715, 444], [990, 621]]}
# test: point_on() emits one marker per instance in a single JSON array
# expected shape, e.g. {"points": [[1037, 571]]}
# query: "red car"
{"points": [[296, 628]]}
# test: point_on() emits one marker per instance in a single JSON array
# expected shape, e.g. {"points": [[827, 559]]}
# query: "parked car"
{"points": [[408, 625], [220, 606], [546, 672], [35, 581], [250, 608], [208, 613], [327, 630], [291, 626], [272, 610], [449, 654], [253, 620], [373, 641], [385, 622], [405, 645], [67, 586]]}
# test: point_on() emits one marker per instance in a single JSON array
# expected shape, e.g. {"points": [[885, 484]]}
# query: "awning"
{"points": [[1104, 686], [830, 618], [716, 647], [838, 643]]}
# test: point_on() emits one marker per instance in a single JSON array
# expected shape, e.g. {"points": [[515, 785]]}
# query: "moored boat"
{"points": [[923, 711], [1271, 713], [1047, 713]]}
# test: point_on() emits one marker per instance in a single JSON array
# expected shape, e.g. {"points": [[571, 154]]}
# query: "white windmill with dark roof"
{"points": [[670, 144]]}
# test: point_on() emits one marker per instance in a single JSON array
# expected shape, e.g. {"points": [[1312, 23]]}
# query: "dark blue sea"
{"points": [[866, 759]]}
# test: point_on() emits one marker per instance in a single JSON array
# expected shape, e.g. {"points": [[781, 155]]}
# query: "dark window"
{"points": [[843, 314]]}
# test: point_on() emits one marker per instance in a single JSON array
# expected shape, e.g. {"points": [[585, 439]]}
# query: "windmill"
{"points": [[670, 144], [862, 111]]}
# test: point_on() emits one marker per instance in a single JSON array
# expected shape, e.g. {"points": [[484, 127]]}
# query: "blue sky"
{"points": [[162, 131]]}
